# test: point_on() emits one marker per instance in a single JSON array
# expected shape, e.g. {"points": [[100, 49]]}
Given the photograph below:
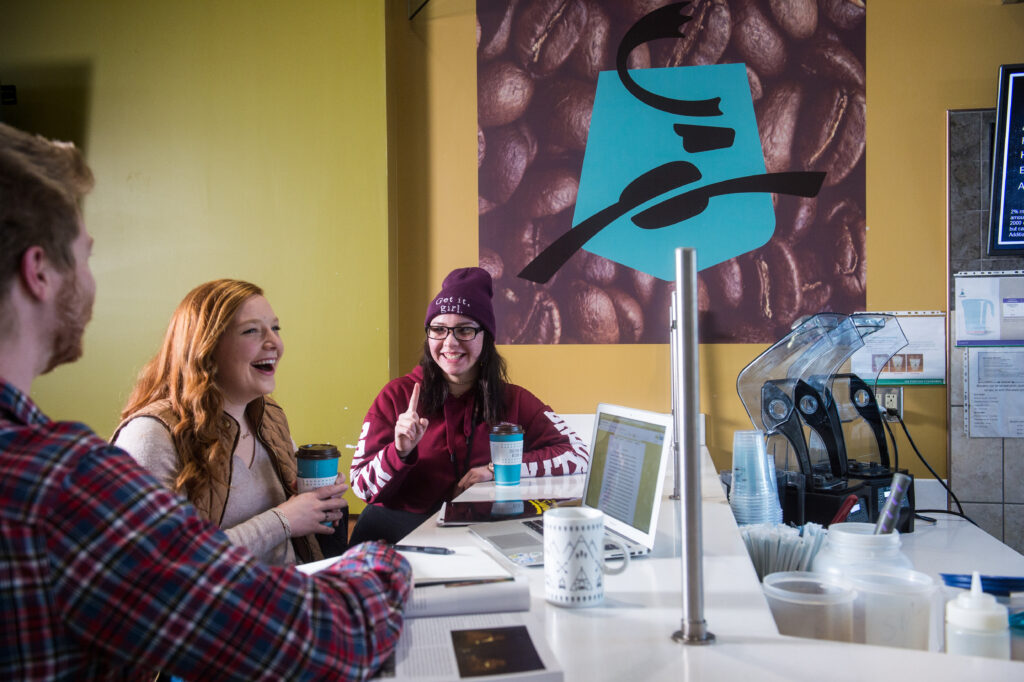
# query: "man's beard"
{"points": [[74, 310]]}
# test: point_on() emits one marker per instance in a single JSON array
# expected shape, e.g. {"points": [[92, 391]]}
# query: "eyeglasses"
{"points": [[439, 333]]}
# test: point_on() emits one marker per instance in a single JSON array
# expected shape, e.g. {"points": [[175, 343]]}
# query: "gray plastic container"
{"points": [[815, 605]]}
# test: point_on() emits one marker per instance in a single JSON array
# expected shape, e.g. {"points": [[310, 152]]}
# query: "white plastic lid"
{"points": [[861, 535], [977, 610], [807, 588], [892, 580]]}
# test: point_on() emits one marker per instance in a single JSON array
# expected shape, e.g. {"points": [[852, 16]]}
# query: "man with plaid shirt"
{"points": [[104, 573]]}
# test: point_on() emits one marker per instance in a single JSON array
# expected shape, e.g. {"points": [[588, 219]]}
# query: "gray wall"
{"points": [[987, 474]]}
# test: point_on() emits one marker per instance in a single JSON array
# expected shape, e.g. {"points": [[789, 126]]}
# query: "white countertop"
{"points": [[629, 637]]}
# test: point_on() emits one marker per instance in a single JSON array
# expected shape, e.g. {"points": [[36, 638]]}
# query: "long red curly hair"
{"points": [[184, 372]]}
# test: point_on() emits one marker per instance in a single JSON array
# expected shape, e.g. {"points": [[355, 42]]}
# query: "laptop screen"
{"points": [[628, 454]]}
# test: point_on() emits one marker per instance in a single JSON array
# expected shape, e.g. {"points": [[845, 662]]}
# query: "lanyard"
{"points": [[469, 452]]}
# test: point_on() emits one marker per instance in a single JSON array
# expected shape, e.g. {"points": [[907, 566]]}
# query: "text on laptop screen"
{"points": [[626, 465]]}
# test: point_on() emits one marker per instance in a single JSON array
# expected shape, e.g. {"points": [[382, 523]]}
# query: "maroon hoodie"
{"points": [[452, 445]]}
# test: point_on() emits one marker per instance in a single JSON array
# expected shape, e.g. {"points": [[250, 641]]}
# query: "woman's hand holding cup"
{"points": [[410, 427], [308, 511]]}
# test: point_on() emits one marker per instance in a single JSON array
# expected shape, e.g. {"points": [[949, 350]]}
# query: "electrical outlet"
{"points": [[890, 398]]}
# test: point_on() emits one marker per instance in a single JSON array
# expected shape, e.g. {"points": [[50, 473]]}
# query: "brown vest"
{"points": [[211, 498]]}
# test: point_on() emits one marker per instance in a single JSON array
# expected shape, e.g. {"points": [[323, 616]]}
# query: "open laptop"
{"points": [[628, 455]]}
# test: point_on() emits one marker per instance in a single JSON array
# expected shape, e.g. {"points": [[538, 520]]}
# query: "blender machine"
{"points": [[812, 415]]}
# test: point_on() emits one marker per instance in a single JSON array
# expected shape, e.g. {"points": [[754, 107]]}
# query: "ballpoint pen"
{"points": [[424, 550]]}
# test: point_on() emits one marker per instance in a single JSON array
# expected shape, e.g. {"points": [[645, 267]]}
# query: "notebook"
{"points": [[628, 455]]}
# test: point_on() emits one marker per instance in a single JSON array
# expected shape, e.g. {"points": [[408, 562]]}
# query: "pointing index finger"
{"points": [[414, 399]]}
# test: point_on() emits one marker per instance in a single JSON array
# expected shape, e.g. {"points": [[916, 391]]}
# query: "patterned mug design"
{"points": [[574, 564]]}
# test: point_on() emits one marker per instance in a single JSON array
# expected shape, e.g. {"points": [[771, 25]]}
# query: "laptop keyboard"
{"points": [[539, 527]]}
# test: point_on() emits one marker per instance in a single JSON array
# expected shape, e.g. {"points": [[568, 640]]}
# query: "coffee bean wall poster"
{"points": [[539, 65]]}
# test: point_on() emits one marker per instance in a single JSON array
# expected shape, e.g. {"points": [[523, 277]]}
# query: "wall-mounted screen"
{"points": [[1006, 223]]}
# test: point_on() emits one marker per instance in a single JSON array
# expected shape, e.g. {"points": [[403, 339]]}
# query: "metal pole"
{"points": [[673, 316], [686, 400]]}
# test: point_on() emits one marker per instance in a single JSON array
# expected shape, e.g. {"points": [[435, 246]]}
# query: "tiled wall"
{"points": [[987, 474]]}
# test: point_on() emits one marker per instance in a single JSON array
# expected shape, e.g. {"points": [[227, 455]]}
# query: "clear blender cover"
{"points": [[883, 338], [796, 373], [812, 351], [855, 395]]}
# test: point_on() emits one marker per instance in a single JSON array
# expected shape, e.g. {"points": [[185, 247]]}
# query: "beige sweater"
{"points": [[248, 521]]}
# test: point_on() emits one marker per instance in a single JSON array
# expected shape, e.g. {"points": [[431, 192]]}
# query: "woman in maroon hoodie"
{"points": [[425, 437]]}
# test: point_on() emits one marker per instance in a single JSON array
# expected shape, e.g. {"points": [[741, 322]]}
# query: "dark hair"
{"points": [[489, 389], [41, 184]]}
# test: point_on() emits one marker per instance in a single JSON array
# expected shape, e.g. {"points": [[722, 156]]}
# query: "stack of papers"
{"points": [[464, 564], [775, 548], [467, 581], [467, 563], [478, 596]]}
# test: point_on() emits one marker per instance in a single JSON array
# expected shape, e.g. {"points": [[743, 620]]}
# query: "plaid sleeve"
{"points": [[145, 580]]}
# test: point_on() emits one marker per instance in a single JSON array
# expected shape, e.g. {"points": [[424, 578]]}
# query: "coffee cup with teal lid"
{"points": [[318, 465], [506, 452]]}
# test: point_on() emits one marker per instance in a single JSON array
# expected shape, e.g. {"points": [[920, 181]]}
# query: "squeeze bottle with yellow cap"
{"points": [[976, 624]]}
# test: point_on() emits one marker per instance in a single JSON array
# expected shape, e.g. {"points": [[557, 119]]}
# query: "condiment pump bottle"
{"points": [[976, 624]]}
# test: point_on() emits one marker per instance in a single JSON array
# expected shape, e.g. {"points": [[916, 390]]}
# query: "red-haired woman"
{"points": [[200, 420]]}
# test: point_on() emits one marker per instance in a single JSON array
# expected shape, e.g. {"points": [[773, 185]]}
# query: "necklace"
{"points": [[238, 449], [458, 388]]}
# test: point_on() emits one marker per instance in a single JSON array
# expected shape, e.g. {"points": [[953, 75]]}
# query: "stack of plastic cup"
{"points": [[753, 496]]}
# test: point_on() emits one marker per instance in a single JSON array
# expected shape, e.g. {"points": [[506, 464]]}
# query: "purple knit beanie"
{"points": [[465, 291]]}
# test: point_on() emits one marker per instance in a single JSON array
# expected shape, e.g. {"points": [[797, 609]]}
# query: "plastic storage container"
{"points": [[852, 546], [977, 625], [813, 605], [893, 607]]}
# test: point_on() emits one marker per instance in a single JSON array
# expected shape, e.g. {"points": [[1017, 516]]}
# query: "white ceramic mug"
{"points": [[574, 566]]}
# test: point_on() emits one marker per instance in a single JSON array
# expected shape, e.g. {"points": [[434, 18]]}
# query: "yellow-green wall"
{"points": [[923, 57], [325, 149], [238, 139]]}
